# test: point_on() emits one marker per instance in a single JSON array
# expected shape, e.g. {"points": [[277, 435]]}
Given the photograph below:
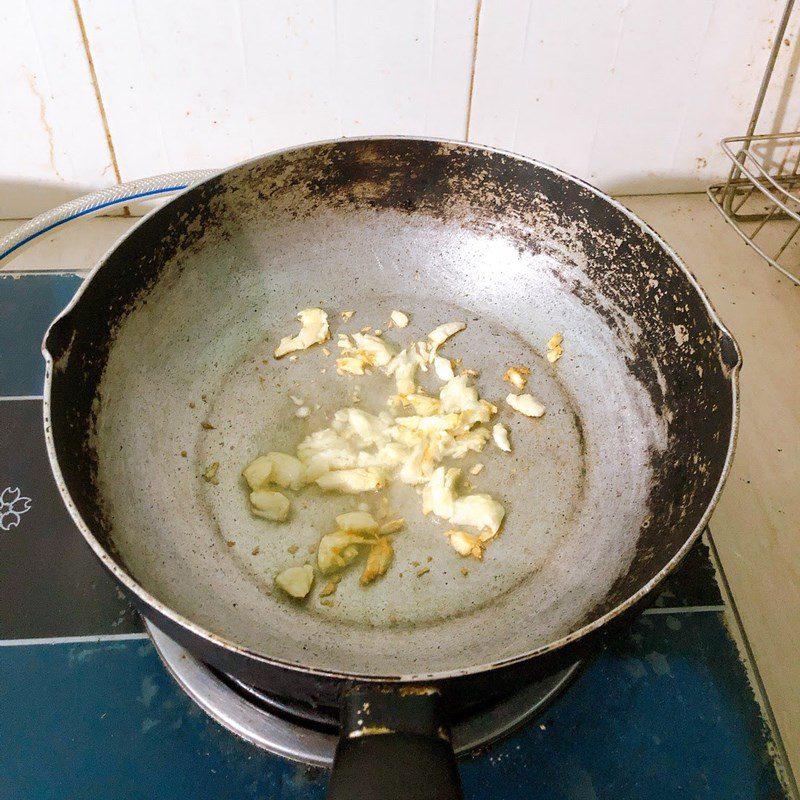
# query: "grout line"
{"points": [[472, 71], [684, 609], [5, 398], [759, 687], [103, 637], [99, 97]]}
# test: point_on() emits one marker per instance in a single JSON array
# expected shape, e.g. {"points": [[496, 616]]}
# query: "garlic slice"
{"points": [[336, 550], [352, 481], [399, 319], [465, 544], [438, 336], [526, 404], [269, 505], [315, 330], [443, 368], [357, 522], [500, 436], [478, 511], [296, 581], [438, 496], [378, 561]]}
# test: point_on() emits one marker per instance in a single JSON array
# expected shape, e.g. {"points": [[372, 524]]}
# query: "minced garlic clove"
{"points": [[257, 472], [286, 471], [465, 544], [443, 368], [438, 336], [269, 505], [352, 481], [296, 581], [336, 550], [399, 319], [554, 347], [378, 561], [500, 436], [315, 330], [526, 404], [517, 376], [210, 475], [357, 522], [391, 526], [330, 587], [438, 496], [478, 511]]}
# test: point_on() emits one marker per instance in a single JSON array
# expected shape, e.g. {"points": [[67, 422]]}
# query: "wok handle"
{"points": [[394, 745]]}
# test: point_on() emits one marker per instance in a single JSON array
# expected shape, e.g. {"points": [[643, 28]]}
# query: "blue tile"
{"points": [[666, 712], [28, 303], [106, 721]]}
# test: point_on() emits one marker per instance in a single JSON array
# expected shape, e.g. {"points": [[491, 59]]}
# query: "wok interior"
{"points": [[600, 494]]}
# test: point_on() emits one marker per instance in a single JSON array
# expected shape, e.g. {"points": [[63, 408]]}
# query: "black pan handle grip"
{"points": [[394, 745]]}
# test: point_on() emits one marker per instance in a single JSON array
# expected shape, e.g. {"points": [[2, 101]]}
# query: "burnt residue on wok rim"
{"points": [[682, 356]]}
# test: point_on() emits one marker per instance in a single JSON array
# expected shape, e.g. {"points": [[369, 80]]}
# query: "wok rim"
{"points": [[150, 601]]}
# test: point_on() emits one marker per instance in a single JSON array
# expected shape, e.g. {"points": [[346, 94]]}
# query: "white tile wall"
{"points": [[199, 83], [631, 94], [53, 145]]}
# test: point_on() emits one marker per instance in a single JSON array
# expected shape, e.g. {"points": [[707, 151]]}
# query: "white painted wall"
{"points": [[631, 94]]}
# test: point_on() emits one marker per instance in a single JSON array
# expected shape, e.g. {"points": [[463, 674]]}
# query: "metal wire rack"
{"points": [[761, 198]]}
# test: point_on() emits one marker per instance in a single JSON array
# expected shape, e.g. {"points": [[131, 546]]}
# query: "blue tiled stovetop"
{"points": [[88, 711]]}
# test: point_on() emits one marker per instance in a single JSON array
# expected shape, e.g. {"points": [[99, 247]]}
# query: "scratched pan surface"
{"points": [[176, 329]]}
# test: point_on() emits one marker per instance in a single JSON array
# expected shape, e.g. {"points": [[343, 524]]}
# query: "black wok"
{"points": [[172, 335]]}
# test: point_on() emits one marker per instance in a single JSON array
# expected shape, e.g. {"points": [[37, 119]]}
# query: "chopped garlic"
{"points": [[478, 511], [465, 544], [210, 474], [350, 365], [438, 496], [296, 581], [257, 472], [458, 395], [403, 367], [378, 560], [443, 368], [303, 412], [330, 587], [391, 526], [476, 469], [269, 505], [517, 376], [424, 405], [315, 330], [357, 522], [346, 315], [352, 481], [287, 471], [296, 400], [378, 352], [526, 404], [500, 436], [399, 319], [438, 336], [554, 347], [336, 550], [367, 351], [472, 441]]}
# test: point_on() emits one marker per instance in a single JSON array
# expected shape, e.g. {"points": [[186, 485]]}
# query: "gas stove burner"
{"points": [[309, 735]]}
